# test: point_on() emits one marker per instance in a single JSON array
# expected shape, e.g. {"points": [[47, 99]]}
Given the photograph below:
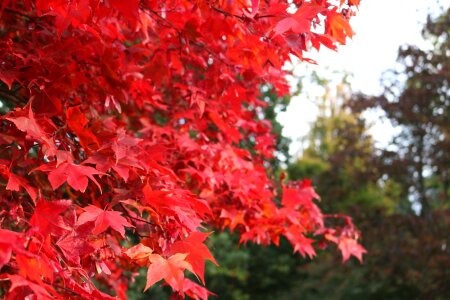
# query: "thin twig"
{"points": [[134, 218], [227, 13]]}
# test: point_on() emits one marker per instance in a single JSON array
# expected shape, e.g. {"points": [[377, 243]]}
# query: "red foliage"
{"points": [[134, 116]]}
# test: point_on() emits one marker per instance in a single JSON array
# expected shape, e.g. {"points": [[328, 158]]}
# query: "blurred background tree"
{"points": [[399, 194], [339, 154]]}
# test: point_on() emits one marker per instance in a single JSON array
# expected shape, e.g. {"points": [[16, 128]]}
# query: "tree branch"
{"points": [[227, 13]]}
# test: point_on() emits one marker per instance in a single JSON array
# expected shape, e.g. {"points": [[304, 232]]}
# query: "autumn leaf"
{"points": [[40, 290], [74, 246], [78, 122], [354, 2], [26, 122], [230, 133], [338, 27], [103, 219], [301, 244], [323, 39], [8, 76], [139, 254], [303, 196], [47, 217], [299, 22], [197, 252], [76, 175], [348, 247], [186, 145], [196, 291], [5, 254], [35, 268], [15, 182], [9, 240], [171, 270], [233, 218]]}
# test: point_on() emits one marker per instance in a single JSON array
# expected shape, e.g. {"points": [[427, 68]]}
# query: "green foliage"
{"points": [[155, 292], [408, 261], [252, 272], [274, 105], [229, 279]]}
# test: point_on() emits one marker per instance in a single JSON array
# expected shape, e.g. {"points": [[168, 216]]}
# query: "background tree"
{"points": [[401, 204], [420, 109], [339, 153]]}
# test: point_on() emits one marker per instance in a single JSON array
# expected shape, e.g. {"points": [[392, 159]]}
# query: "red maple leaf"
{"points": [[171, 270], [197, 252], [230, 132], [20, 285], [78, 122], [75, 175], [74, 246], [15, 182], [140, 254], [299, 22], [348, 247], [354, 2], [300, 243], [9, 240], [337, 26], [103, 219], [26, 122], [47, 217], [161, 108], [196, 291], [35, 268]]}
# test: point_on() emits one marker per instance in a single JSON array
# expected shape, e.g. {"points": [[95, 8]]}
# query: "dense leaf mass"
{"points": [[128, 126]]}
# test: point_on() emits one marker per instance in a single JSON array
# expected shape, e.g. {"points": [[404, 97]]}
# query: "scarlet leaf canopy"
{"points": [[125, 132]]}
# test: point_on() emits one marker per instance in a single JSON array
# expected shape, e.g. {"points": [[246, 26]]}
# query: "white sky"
{"points": [[381, 26]]}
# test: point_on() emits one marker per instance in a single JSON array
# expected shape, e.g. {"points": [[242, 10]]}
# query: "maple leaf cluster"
{"points": [[125, 133]]}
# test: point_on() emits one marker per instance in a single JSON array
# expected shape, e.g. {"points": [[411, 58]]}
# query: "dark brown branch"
{"points": [[141, 220], [134, 218], [264, 16], [227, 13]]}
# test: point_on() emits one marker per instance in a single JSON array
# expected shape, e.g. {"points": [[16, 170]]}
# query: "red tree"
{"points": [[126, 128]]}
